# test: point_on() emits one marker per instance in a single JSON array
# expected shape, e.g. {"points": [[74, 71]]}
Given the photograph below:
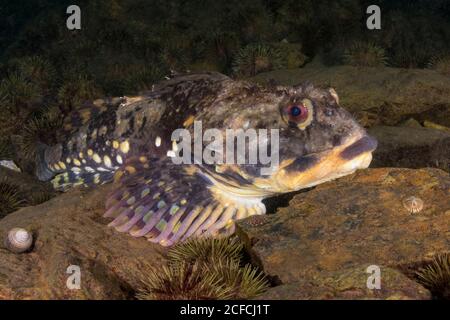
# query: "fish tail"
{"points": [[43, 171], [86, 168], [69, 179]]}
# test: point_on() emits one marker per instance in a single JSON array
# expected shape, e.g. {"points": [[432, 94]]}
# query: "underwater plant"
{"points": [[76, 90], [435, 276], [365, 54], [441, 65], [38, 129], [243, 282], [175, 54], [183, 281], [37, 70], [18, 91], [291, 54], [256, 58], [6, 150], [408, 58], [40, 196], [142, 79], [10, 197], [207, 249], [208, 268]]}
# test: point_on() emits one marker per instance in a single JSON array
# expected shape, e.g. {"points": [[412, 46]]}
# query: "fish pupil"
{"points": [[295, 111]]}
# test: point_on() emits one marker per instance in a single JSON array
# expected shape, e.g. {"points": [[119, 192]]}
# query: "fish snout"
{"points": [[365, 144]]}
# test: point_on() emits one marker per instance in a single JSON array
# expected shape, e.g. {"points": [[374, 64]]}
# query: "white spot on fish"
{"points": [[107, 161], [158, 141], [97, 158], [125, 147]]}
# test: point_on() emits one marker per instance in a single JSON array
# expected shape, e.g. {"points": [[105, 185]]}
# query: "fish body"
{"points": [[130, 141]]}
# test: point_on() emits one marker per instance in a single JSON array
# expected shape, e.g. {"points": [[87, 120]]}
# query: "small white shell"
{"points": [[413, 204], [18, 240]]}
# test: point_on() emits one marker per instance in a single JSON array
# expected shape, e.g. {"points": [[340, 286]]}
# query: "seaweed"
{"points": [[435, 276], [11, 197], [203, 269]]}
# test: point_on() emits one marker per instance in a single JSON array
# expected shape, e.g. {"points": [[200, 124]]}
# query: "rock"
{"points": [[378, 96], [69, 230], [411, 123], [411, 147], [432, 125], [350, 283], [353, 221]]}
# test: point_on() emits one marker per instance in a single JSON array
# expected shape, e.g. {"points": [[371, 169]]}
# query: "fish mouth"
{"points": [[363, 145], [313, 169]]}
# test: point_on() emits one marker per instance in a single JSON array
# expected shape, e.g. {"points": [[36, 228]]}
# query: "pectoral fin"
{"points": [[168, 203]]}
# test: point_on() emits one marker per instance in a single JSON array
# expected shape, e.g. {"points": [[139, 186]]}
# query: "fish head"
{"points": [[315, 140]]}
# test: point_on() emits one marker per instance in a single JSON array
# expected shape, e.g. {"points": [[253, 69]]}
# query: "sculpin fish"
{"points": [[128, 141]]}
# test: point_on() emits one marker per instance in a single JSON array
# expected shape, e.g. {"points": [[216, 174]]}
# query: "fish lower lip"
{"points": [[363, 145]]}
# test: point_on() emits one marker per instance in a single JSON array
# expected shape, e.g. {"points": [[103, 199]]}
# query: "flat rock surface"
{"points": [[411, 147], [318, 247], [353, 221], [350, 284], [69, 230]]}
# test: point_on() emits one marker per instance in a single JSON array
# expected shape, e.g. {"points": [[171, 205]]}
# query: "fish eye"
{"points": [[299, 114]]}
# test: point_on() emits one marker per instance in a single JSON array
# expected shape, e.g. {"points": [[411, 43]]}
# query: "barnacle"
{"points": [[10, 197], [256, 58], [441, 65], [436, 276], [413, 204], [207, 249], [184, 281], [365, 54]]}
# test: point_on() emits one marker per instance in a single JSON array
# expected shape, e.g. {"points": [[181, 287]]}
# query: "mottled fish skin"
{"points": [[128, 140]]}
